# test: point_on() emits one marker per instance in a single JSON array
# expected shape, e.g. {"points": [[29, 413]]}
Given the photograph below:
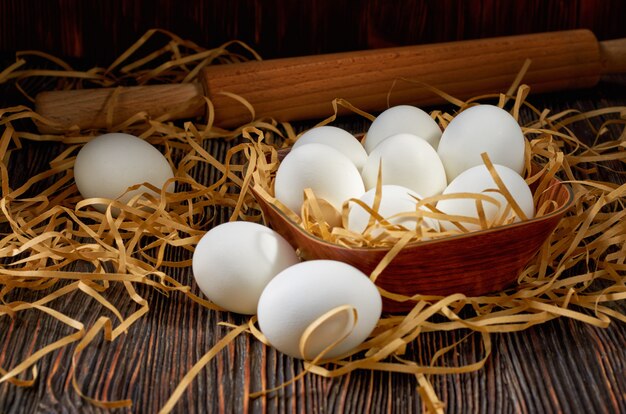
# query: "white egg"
{"points": [[234, 261], [478, 129], [330, 174], [394, 200], [402, 119], [408, 161], [107, 165], [478, 180], [302, 293], [339, 139]]}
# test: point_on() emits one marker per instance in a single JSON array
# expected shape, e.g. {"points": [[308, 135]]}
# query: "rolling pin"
{"points": [[297, 88]]}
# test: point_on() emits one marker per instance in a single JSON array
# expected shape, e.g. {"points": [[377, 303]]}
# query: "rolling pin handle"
{"points": [[613, 56], [89, 108]]}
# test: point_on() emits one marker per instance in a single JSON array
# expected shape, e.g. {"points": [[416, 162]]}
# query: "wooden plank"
{"points": [[561, 366]]}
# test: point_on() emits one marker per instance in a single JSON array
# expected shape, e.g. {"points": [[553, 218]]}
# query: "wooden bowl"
{"points": [[473, 264]]}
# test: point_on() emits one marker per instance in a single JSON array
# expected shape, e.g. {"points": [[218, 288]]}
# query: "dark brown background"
{"points": [[98, 30], [561, 366]]}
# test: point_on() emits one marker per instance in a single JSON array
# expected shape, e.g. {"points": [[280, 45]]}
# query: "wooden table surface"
{"points": [[560, 366]]}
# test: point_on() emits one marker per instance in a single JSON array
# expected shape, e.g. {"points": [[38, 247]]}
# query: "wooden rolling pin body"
{"points": [[303, 87]]}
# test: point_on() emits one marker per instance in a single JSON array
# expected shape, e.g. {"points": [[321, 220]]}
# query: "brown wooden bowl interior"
{"points": [[473, 264]]}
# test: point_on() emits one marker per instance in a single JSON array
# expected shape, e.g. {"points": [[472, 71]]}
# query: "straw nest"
{"points": [[49, 231]]}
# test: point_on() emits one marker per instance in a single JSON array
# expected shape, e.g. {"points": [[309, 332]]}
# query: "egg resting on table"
{"points": [[109, 164], [302, 293], [234, 261]]}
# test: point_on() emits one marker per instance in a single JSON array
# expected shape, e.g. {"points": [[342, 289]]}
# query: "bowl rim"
{"points": [[559, 211]]}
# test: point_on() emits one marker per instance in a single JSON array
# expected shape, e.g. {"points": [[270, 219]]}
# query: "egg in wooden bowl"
{"points": [[422, 260]]}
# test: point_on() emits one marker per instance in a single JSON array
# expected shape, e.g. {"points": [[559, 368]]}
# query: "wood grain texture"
{"points": [[292, 89], [91, 107], [301, 88], [99, 31], [560, 366]]}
